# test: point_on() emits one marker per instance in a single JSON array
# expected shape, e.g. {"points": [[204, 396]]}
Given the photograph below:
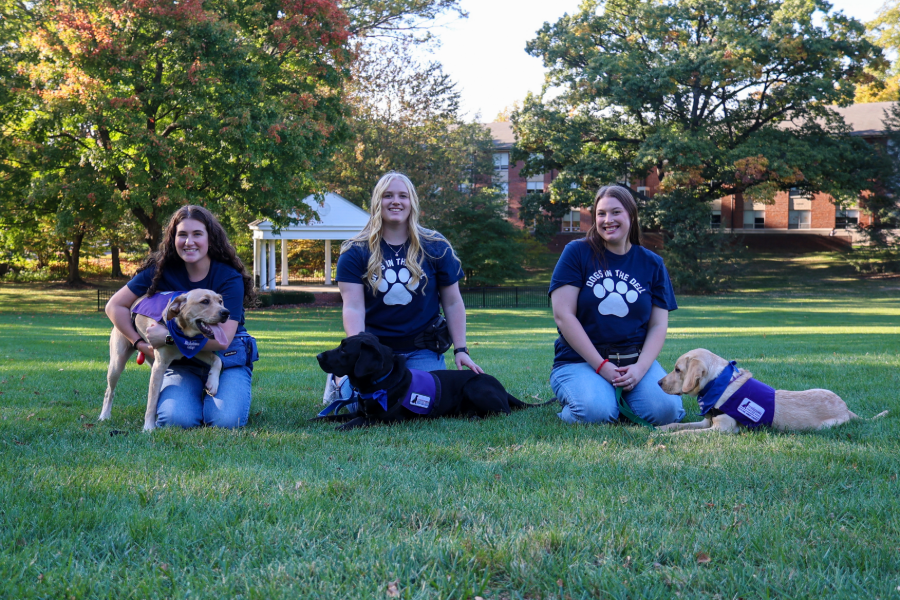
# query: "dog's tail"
{"points": [[883, 413], [515, 403]]}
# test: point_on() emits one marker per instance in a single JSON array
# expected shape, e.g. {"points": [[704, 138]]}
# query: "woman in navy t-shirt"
{"points": [[395, 276], [611, 300], [195, 254]]}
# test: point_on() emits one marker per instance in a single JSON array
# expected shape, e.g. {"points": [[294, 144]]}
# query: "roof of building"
{"points": [[502, 133], [337, 219], [865, 119]]}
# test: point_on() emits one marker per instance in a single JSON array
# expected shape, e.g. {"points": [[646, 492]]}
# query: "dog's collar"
{"points": [[712, 391], [189, 346], [380, 396]]}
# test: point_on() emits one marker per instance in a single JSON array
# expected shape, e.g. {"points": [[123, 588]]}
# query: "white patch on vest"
{"points": [[420, 400], [751, 410]]}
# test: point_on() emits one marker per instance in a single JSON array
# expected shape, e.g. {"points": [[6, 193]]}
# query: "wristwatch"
{"points": [[170, 341], [458, 350]]}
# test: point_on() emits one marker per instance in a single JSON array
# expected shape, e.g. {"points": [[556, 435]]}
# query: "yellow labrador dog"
{"points": [[702, 373], [196, 313]]}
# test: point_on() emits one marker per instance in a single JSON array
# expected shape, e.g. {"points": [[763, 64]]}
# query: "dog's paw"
{"points": [[395, 284], [616, 297]]}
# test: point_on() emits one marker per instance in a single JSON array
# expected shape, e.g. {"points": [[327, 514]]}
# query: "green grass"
{"points": [[508, 507]]}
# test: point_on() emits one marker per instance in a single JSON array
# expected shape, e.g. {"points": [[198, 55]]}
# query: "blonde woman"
{"points": [[395, 276]]}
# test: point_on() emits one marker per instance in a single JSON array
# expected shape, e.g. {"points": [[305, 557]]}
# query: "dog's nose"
{"points": [[659, 383], [224, 314]]}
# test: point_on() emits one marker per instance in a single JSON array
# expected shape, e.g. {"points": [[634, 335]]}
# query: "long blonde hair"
{"points": [[371, 236]]}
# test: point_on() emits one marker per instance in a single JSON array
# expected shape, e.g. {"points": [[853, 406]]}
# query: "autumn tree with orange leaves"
{"points": [[140, 106], [717, 97]]}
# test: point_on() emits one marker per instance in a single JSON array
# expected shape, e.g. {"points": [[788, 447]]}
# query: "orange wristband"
{"points": [[605, 360]]}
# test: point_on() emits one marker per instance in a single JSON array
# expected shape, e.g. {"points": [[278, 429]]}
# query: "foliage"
{"points": [[143, 105], [488, 245], [716, 97], [404, 21], [884, 78], [406, 118]]}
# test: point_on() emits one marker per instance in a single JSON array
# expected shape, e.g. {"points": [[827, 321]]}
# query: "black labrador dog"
{"points": [[383, 382]]}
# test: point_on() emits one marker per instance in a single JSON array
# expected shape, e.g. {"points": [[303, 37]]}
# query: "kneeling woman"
{"points": [[195, 254], [611, 300]]}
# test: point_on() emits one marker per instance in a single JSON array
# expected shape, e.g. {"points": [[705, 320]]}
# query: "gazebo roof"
{"points": [[339, 219]]}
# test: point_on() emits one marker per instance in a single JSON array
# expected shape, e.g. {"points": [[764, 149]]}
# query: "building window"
{"points": [[503, 186], [642, 189], [799, 219], [534, 187], [572, 221], [845, 219], [754, 219], [715, 219], [501, 161]]}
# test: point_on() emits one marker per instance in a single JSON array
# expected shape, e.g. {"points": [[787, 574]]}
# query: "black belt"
{"points": [[621, 356]]}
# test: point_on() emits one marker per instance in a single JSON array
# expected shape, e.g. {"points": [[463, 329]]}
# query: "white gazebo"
{"points": [[339, 219]]}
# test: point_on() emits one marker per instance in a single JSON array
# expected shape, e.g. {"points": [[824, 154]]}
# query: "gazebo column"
{"points": [[256, 261], [273, 275], [284, 263], [263, 263], [327, 262]]}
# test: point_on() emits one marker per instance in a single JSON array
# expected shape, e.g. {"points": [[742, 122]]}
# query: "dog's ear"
{"points": [[174, 307], [370, 359], [696, 371]]}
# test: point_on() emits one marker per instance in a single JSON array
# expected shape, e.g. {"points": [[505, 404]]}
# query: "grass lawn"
{"points": [[508, 507]]}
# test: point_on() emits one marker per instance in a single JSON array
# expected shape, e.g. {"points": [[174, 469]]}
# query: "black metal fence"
{"points": [[506, 297], [103, 297]]}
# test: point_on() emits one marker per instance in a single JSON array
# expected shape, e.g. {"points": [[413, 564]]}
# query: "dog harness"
{"points": [[752, 405], [155, 307], [421, 397]]}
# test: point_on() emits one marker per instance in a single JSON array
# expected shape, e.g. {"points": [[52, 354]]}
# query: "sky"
{"points": [[485, 53]]}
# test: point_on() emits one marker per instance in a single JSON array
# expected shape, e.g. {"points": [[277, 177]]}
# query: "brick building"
{"points": [[792, 213]]}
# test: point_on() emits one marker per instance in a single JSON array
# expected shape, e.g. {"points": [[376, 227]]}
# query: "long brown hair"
{"points": [[623, 195], [220, 249], [371, 235]]}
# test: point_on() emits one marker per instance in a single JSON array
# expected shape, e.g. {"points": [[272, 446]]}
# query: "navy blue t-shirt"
{"points": [[614, 302], [222, 279], [395, 311]]}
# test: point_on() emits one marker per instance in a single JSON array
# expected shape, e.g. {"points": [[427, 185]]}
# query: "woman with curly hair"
{"points": [[195, 254]]}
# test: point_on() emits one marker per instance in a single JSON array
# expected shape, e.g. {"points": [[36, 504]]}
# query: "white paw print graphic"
{"points": [[616, 297], [394, 283]]}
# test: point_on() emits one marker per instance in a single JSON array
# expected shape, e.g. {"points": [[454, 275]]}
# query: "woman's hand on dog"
{"points": [[156, 336], [464, 360], [629, 376]]}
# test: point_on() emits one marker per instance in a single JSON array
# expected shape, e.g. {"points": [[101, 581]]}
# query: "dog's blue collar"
{"points": [[712, 391], [380, 396]]}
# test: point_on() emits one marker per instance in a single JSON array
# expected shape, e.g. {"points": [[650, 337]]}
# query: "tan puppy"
{"points": [[195, 312], [809, 409]]}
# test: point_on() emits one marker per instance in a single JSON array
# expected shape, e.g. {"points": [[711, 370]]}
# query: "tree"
{"points": [[398, 20], [884, 78], [718, 97], [143, 105], [405, 117]]}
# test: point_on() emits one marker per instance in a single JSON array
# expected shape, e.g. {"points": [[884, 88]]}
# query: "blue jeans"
{"points": [[423, 360], [183, 401], [588, 398]]}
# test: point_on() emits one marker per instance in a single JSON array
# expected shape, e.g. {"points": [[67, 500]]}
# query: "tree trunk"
{"points": [[116, 265], [73, 257], [152, 228]]}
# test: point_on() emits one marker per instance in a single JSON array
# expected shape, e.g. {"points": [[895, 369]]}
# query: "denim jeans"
{"points": [[183, 401], [588, 398], [422, 360]]}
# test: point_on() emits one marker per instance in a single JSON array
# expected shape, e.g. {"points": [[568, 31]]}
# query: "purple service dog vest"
{"points": [[154, 306], [752, 405], [422, 394]]}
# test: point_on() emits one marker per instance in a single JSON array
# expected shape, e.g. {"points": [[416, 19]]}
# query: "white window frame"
{"points": [[501, 161]]}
